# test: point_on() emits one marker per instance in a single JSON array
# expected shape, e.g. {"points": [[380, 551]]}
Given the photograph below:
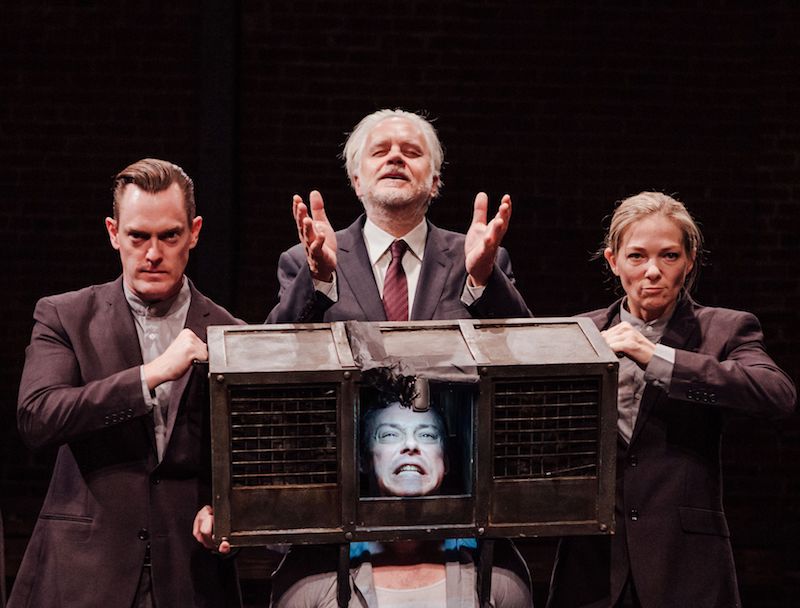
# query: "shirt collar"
{"points": [[658, 325], [158, 309], [378, 240]]}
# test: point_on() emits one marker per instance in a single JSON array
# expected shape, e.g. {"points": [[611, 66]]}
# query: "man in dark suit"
{"points": [[109, 379], [394, 161]]}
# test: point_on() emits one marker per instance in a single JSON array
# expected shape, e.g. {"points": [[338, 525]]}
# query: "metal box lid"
{"points": [[325, 346]]}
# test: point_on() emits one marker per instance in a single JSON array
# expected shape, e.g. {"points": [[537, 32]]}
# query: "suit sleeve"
{"points": [[55, 405], [298, 301], [500, 299], [743, 377]]}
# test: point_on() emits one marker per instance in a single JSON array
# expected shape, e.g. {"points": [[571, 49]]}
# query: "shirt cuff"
{"points": [[471, 294], [149, 397], [328, 290], [659, 370]]}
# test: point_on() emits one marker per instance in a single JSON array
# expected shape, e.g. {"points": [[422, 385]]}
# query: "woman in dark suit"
{"points": [[683, 366]]}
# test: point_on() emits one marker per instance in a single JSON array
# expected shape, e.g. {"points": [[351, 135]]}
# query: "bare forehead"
{"points": [[655, 229], [136, 203], [396, 129]]}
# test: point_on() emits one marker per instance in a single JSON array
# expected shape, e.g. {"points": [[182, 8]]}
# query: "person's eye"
{"points": [[412, 152], [170, 237], [635, 257], [672, 256], [388, 435], [137, 237], [428, 436]]}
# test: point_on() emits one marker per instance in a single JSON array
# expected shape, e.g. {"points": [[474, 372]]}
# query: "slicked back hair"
{"points": [[152, 176]]}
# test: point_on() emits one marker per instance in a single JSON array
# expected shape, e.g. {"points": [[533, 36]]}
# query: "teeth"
{"points": [[409, 468]]}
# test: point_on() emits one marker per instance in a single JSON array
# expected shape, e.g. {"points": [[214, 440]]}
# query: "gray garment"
{"points": [[633, 379], [157, 326], [307, 579]]}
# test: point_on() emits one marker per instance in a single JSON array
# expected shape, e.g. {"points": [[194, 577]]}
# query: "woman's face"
{"points": [[651, 264]]}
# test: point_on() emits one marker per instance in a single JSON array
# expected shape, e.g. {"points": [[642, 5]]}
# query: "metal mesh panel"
{"points": [[546, 428], [283, 435]]}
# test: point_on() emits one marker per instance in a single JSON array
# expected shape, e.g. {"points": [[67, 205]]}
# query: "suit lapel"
{"points": [[682, 329], [436, 267], [680, 333], [651, 396], [198, 313], [122, 349], [197, 321], [354, 271]]}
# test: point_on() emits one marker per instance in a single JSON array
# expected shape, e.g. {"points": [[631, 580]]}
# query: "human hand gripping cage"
{"points": [[488, 429]]}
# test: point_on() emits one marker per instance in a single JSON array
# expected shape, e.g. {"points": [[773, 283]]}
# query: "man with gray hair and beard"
{"points": [[391, 263]]}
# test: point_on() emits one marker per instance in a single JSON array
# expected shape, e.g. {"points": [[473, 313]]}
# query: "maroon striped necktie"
{"points": [[395, 286]]}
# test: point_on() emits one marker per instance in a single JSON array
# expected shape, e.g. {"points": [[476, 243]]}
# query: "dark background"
{"points": [[568, 106]]}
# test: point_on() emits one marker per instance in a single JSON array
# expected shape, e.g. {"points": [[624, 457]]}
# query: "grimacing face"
{"points": [[395, 167], [652, 265], [153, 237], [407, 449]]}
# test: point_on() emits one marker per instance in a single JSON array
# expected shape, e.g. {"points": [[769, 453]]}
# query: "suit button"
{"points": [[634, 514], [633, 460], [155, 480], [144, 534]]}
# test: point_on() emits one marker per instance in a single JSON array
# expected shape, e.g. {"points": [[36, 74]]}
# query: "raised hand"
{"points": [[483, 239], [174, 361], [316, 235]]}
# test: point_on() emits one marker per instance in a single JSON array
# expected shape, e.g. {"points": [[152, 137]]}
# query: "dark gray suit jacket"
{"points": [[109, 497], [672, 534], [441, 283]]}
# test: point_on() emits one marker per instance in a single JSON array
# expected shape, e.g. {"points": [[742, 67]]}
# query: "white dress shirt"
{"points": [[378, 242]]}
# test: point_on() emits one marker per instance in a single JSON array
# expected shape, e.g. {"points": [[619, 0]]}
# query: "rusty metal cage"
{"points": [[532, 411]]}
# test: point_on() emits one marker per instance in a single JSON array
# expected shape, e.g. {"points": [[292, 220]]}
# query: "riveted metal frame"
{"points": [[328, 513]]}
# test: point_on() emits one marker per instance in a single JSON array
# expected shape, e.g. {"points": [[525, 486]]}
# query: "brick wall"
{"points": [[567, 106]]}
